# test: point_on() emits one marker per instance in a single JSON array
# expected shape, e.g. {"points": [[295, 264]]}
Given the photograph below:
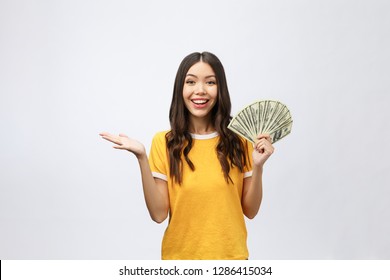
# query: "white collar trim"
{"points": [[204, 136]]}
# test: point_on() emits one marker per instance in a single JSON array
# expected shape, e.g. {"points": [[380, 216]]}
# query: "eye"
{"points": [[211, 83], [190, 82]]}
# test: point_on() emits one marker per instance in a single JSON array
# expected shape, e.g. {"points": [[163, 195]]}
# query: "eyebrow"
{"points": [[209, 76]]}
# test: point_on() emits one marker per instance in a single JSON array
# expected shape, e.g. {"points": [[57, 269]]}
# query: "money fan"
{"points": [[265, 116]]}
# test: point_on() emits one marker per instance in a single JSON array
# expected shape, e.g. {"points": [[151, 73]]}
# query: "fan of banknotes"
{"points": [[265, 116]]}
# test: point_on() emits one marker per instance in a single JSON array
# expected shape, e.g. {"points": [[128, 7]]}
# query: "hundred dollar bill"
{"points": [[235, 127], [280, 133], [265, 116]]}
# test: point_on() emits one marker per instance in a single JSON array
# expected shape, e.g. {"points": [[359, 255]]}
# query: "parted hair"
{"points": [[231, 151]]}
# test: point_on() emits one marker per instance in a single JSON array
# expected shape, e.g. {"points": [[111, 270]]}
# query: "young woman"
{"points": [[199, 173]]}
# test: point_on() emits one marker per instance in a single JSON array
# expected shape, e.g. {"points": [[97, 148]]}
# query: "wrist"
{"points": [[142, 157], [258, 168]]}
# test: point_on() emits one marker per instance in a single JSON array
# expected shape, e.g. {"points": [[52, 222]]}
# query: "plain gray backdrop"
{"points": [[71, 69]]}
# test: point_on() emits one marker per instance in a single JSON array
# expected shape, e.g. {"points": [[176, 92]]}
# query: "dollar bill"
{"points": [[265, 116], [280, 133]]}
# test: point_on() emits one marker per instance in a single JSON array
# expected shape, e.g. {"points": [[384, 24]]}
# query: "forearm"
{"points": [[253, 193], [156, 196]]}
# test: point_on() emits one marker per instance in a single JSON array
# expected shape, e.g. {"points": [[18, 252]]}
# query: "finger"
{"points": [[260, 147], [267, 149], [264, 142], [260, 142], [264, 147], [119, 147], [123, 135], [112, 139], [264, 136], [105, 134], [109, 138]]}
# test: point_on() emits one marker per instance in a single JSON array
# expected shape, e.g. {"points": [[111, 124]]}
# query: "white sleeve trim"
{"points": [[248, 174], [160, 176]]}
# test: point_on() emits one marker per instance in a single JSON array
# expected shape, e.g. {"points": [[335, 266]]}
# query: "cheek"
{"points": [[214, 94], [186, 93]]}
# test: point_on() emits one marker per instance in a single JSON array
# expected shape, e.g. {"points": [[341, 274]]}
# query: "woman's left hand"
{"points": [[263, 149]]}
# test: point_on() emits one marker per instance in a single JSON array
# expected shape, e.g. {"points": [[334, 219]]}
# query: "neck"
{"points": [[201, 126]]}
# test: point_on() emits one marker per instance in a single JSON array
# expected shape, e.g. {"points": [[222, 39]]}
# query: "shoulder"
{"points": [[160, 134], [159, 137]]}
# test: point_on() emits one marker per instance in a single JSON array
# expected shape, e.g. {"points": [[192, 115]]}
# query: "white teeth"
{"points": [[199, 101]]}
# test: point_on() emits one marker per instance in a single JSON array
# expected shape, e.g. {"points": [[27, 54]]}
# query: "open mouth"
{"points": [[199, 102]]}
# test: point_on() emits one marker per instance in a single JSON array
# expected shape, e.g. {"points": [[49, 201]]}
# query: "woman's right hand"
{"points": [[123, 142]]}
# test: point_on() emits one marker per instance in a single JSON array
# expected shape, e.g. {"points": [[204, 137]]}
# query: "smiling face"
{"points": [[200, 90]]}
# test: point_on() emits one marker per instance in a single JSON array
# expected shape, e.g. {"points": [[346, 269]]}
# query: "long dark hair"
{"points": [[231, 150]]}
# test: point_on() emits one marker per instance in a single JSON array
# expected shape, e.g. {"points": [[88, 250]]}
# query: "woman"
{"points": [[205, 177]]}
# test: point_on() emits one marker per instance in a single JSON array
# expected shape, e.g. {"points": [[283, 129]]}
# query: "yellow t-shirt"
{"points": [[206, 220]]}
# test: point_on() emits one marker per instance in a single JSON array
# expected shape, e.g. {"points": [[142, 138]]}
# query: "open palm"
{"points": [[123, 142]]}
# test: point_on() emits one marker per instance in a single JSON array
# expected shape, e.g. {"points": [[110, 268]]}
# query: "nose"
{"points": [[200, 89]]}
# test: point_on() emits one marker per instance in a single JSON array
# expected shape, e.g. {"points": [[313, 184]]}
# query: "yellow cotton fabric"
{"points": [[206, 219]]}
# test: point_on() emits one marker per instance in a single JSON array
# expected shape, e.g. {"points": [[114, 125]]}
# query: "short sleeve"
{"points": [[158, 159], [248, 168]]}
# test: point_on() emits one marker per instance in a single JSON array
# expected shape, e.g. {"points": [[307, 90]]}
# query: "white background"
{"points": [[71, 69]]}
